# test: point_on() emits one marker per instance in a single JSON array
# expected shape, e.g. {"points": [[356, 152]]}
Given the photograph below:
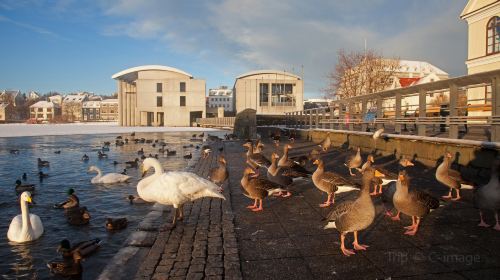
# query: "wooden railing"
{"points": [[353, 113], [216, 122]]}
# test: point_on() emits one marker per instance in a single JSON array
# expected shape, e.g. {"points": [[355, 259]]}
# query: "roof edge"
{"points": [[148, 68]]}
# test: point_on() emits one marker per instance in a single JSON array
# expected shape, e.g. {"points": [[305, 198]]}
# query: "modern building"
{"points": [[72, 106], [483, 54], [156, 95], [221, 97], [109, 109], [7, 113], [91, 110], [269, 92], [44, 111]]}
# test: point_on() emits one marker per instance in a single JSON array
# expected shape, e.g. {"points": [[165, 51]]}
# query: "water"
{"points": [[66, 171]]}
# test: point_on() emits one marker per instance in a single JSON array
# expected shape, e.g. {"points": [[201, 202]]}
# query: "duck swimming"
{"points": [[116, 224], [101, 155], [25, 227], [85, 157], [24, 188], [42, 163], [110, 178]]}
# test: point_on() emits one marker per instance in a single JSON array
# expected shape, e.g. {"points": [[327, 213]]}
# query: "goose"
{"points": [[258, 189], [43, 163], [132, 134], [326, 143], [116, 224], [353, 216], [286, 162], [171, 152], [110, 178], [118, 137], [126, 140], [218, 175], [276, 136], [132, 164], [327, 182], [487, 197], [67, 268], [450, 178], [413, 203], [292, 136], [201, 135], [85, 157], [282, 176], [24, 188], [255, 159], [174, 188], [101, 155], [25, 227], [85, 248], [188, 156], [140, 152], [354, 161], [377, 178], [390, 189]]}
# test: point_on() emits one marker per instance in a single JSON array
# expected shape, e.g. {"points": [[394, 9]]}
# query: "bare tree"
{"points": [[71, 111], [358, 73]]}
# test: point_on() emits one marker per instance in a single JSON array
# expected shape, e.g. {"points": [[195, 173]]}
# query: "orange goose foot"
{"points": [[326, 204], [483, 224], [411, 232], [358, 246], [374, 193], [396, 218], [388, 213], [446, 196], [347, 252], [288, 194], [257, 209], [410, 227]]}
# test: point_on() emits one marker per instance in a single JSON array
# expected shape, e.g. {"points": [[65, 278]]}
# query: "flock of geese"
{"points": [[355, 215]]}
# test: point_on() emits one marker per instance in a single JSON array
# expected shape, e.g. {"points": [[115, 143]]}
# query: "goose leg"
{"points": [[380, 188], [173, 224], [254, 205], [374, 192], [458, 195], [388, 212], [260, 207], [356, 244], [415, 229], [396, 217], [482, 223], [497, 226], [412, 223], [350, 172], [333, 198], [327, 202], [181, 213], [345, 251], [449, 194]]}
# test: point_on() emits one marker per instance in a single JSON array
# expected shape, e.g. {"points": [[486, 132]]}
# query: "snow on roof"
{"points": [[44, 104], [419, 67], [112, 100], [268, 71], [125, 72], [74, 98]]}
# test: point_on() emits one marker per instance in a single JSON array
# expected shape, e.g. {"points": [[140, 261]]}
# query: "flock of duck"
{"points": [[169, 188]]}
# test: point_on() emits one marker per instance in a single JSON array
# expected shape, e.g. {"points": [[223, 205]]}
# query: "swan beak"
{"points": [[29, 200], [144, 173]]}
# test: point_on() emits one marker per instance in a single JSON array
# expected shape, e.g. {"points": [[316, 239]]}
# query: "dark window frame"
{"points": [[159, 87], [159, 101], [182, 101], [493, 25], [182, 87]]}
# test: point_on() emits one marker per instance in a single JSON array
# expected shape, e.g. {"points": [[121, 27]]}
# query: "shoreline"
{"points": [[27, 130]]}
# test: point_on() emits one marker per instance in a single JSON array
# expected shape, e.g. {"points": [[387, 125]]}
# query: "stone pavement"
{"points": [[223, 239]]}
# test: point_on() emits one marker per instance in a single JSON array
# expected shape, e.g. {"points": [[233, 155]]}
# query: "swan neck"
{"points": [[25, 215]]}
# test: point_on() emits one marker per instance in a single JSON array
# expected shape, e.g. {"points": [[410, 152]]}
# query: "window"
{"points": [[263, 92], [183, 101], [183, 87], [492, 35], [159, 101], [159, 87], [281, 88], [49, 116], [40, 109], [49, 109]]}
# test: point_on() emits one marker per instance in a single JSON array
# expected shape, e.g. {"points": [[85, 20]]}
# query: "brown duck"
{"points": [[354, 161], [287, 162], [449, 177], [327, 182], [413, 203], [219, 174], [353, 216], [258, 189]]}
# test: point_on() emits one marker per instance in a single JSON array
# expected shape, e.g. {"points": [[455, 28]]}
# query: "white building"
{"points": [[72, 106], [44, 111], [221, 97]]}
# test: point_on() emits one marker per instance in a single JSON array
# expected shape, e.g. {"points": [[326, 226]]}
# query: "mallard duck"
{"points": [[24, 177], [85, 157], [188, 156], [67, 268], [487, 197], [354, 161], [326, 143], [174, 188], [71, 202], [24, 188], [140, 152], [110, 178], [84, 248], [171, 152], [450, 178], [43, 163], [353, 216], [390, 189], [101, 155], [258, 189], [219, 174], [77, 216], [413, 203], [132, 164], [25, 227], [42, 175], [116, 224], [327, 182]]}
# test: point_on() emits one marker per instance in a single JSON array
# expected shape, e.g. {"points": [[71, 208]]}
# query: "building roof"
{"points": [[111, 100], [92, 104], [419, 67], [476, 5], [74, 98], [44, 104], [131, 72], [406, 82], [268, 71]]}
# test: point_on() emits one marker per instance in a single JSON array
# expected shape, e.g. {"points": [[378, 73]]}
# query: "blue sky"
{"points": [[71, 45]]}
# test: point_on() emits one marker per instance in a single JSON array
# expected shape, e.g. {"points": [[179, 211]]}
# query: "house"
{"points": [[72, 107], [7, 112], [15, 97], [156, 95], [56, 99], [221, 97], [91, 110], [109, 109], [33, 95], [44, 111]]}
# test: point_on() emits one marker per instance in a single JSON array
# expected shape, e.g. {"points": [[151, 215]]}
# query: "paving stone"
{"points": [[178, 272], [181, 265], [194, 276], [214, 271], [196, 268]]}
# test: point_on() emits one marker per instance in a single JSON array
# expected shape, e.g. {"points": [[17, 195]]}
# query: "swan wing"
{"points": [[36, 226], [112, 178], [15, 228]]}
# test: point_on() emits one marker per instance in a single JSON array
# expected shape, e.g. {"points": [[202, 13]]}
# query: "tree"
{"points": [[71, 111], [358, 73]]}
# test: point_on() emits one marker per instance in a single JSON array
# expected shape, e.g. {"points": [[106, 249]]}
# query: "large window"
{"points": [[282, 89], [159, 87], [159, 101], [492, 35], [263, 94], [183, 87], [183, 101]]}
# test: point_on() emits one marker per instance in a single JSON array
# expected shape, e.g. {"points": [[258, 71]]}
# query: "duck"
{"points": [[118, 137], [43, 163], [286, 162], [132, 134], [149, 141], [135, 199], [153, 145], [77, 216], [118, 143], [115, 162], [255, 159], [354, 162], [101, 155], [110, 178], [275, 136], [132, 164], [327, 182], [14, 151], [85, 157], [124, 172], [173, 188], [326, 143], [171, 152], [390, 189], [450, 178], [140, 152], [218, 175], [413, 203], [84, 248], [67, 268], [258, 188], [487, 197], [20, 188], [24, 177], [161, 150], [25, 227], [188, 156], [107, 143], [42, 175], [353, 216], [282, 175], [201, 135], [105, 149], [71, 202], [116, 224], [57, 152]]}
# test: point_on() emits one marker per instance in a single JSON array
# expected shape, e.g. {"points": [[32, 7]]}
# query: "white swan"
{"points": [[174, 188], [25, 227], [110, 178]]}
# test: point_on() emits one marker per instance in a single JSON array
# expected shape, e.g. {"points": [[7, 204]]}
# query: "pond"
{"points": [[67, 170]]}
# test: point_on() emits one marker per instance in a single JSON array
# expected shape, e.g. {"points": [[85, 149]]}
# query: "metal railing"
{"points": [[216, 122], [384, 109]]}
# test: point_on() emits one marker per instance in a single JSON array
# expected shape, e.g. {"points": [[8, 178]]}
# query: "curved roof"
{"points": [[149, 67], [268, 71]]}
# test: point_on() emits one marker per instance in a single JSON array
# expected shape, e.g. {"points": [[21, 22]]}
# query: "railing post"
{"points": [[380, 112], [397, 113], [351, 115], [495, 108], [363, 113], [310, 118], [316, 111], [332, 116], [453, 130], [301, 118], [341, 116], [422, 111], [323, 118]]}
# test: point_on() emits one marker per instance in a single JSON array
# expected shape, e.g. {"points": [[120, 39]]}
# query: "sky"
{"points": [[77, 45]]}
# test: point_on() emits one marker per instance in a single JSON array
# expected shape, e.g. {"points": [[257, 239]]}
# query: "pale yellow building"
{"points": [[269, 92], [44, 111], [109, 109], [483, 54], [155, 95]]}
